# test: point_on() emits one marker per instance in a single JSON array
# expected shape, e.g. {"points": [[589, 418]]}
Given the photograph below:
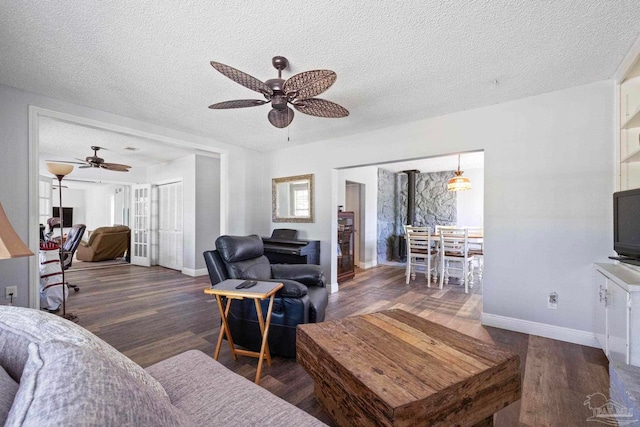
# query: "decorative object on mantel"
{"points": [[459, 182], [292, 199], [97, 162], [299, 91], [60, 170]]}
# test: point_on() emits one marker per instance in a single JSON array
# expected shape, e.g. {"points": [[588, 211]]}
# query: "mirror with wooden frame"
{"points": [[292, 199]]}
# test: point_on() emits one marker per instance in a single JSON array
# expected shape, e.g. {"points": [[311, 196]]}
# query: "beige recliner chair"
{"points": [[105, 243]]}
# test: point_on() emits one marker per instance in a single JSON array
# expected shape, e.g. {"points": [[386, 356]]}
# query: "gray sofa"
{"points": [[54, 372]]}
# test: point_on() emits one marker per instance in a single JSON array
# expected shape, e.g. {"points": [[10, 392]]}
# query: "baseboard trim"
{"points": [[559, 333], [365, 265], [194, 273]]}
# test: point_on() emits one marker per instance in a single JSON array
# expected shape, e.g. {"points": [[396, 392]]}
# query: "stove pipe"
{"points": [[411, 195]]}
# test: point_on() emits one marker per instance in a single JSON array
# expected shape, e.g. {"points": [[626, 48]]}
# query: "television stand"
{"points": [[633, 261]]}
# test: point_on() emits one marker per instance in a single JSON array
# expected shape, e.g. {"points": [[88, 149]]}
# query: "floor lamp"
{"points": [[60, 170], [10, 244]]}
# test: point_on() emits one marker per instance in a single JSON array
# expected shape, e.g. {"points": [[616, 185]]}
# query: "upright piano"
{"points": [[283, 247]]}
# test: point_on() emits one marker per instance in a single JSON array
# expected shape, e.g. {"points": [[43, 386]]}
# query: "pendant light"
{"points": [[459, 182]]}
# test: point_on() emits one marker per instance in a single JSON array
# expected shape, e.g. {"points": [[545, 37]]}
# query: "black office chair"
{"points": [[74, 236]]}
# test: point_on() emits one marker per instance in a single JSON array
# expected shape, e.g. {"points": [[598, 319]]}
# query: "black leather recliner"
{"points": [[302, 300]]}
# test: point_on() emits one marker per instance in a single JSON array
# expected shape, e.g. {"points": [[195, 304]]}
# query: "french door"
{"points": [[140, 225]]}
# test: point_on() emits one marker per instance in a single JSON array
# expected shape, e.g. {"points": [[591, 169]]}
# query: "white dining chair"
{"points": [[445, 227], [454, 251], [477, 249], [420, 254]]}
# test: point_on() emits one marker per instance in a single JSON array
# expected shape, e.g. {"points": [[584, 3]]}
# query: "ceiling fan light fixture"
{"points": [[90, 162], [459, 182], [281, 119], [299, 90]]}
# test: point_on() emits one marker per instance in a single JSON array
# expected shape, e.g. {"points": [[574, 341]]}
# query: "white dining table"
{"points": [[472, 237]]}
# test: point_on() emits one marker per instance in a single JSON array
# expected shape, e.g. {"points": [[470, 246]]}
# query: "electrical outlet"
{"points": [[11, 290], [552, 303]]}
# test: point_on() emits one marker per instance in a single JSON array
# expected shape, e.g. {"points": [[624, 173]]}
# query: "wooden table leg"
{"points": [[267, 352], [264, 328], [224, 329]]}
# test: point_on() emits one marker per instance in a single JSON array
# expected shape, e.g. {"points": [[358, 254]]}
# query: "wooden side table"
{"points": [[261, 291]]}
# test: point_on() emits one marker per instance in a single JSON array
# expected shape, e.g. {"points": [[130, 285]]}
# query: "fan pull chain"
{"points": [[288, 133]]}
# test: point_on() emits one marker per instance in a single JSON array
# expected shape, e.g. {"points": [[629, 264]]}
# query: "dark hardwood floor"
{"points": [[150, 314]]}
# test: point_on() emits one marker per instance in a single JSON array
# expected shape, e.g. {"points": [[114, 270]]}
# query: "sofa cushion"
{"points": [[64, 384], [231, 401], [21, 326], [8, 390]]}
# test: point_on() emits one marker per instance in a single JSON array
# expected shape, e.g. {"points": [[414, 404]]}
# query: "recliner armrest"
{"points": [[307, 274], [292, 289]]}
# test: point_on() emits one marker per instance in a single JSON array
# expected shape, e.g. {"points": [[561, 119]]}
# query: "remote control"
{"points": [[246, 284]]}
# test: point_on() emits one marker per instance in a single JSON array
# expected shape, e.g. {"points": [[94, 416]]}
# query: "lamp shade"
{"points": [[10, 244], [59, 169], [459, 183]]}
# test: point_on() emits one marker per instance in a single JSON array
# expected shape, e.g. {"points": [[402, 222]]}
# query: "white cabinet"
{"points": [[617, 312], [618, 321], [600, 310]]}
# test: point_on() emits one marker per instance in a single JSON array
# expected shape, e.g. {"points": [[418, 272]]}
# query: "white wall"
{"points": [[207, 207], [98, 205], [549, 168], [240, 192], [470, 204]]}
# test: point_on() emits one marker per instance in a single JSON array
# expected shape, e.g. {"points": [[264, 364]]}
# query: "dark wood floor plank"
{"points": [[153, 313]]}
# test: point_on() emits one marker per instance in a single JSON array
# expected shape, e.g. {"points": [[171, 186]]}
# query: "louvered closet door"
{"points": [[170, 225]]}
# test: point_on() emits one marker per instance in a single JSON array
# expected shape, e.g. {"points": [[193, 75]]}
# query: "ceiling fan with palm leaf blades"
{"points": [[298, 90], [97, 162]]}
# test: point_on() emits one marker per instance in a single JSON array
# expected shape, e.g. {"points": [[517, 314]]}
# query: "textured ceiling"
{"points": [[396, 61]]}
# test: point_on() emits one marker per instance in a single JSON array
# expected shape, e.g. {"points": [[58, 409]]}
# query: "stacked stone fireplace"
{"points": [[411, 198]]}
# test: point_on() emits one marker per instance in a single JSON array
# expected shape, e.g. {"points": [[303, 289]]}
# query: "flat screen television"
{"points": [[67, 216], [626, 225]]}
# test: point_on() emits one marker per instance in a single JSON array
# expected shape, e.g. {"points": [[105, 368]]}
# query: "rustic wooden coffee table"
{"points": [[393, 368]]}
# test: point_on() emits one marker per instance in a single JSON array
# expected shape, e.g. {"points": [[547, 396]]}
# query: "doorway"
{"points": [[46, 130], [354, 202], [385, 205]]}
